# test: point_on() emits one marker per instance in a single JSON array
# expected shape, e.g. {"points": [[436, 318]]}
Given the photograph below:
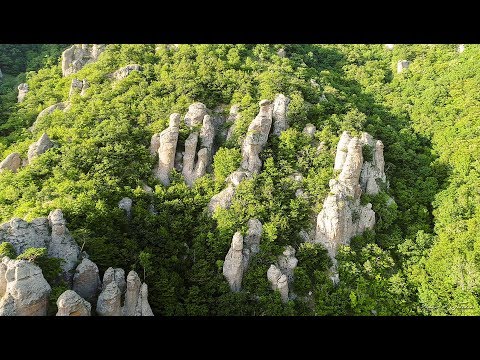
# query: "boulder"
{"points": [[12, 162], [77, 56], [402, 65], [389, 46], [23, 235], [25, 291], [167, 149], [39, 147], [461, 48], [189, 158], [287, 262], [280, 107], [22, 92], [72, 304], [282, 53], [154, 144], [86, 280], [116, 275], [143, 307], [123, 72], [59, 106], [233, 264], [309, 129], [254, 234], [196, 113], [126, 205], [278, 281], [78, 87], [131, 296], [109, 301], [223, 199]]}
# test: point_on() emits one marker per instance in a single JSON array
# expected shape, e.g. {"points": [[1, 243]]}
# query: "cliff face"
{"points": [[343, 216]]}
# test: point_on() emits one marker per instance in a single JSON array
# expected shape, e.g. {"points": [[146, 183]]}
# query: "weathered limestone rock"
{"points": [[461, 48], [131, 296], [309, 129], [79, 55], [78, 86], [39, 147], [117, 276], [23, 235], [287, 262], [223, 199], [282, 53], [126, 205], [389, 46], [207, 133], [280, 107], [22, 92], [278, 281], [85, 86], [196, 113], [72, 304], [256, 138], [123, 72], [11, 162], [59, 106], [25, 290], [232, 118], [143, 307], [62, 245], [343, 216], [254, 234], [189, 158], [233, 265], [402, 65], [167, 148], [86, 280], [154, 144], [109, 301], [178, 162]]}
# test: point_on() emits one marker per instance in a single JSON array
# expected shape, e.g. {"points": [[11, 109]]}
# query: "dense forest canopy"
{"points": [[421, 258]]}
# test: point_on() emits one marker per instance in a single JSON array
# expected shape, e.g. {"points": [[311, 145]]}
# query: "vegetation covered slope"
{"points": [[421, 257]]}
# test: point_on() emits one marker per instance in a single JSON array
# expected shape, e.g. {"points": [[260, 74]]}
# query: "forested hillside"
{"points": [[422, 257]]}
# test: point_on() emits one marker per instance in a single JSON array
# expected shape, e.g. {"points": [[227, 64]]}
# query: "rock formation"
{"points": [[52, 108], [136, 297], [62, 245], [23, 289], [196, 113], [278, 281], [78, 86], [240, 253], [23, 235], [280, 107], [86, 280], [123, 72], [109, 301], [72, 304], [461, 48], [12, 162], [287, 262], [79, 55], [39, 147], [256, 138], [282, 53], [117, 276], [309, 129], [343, 216], [126, 205], [154, 144], [22, 92], [231, 119], [167, 148], [402, 65], [389, 46]]}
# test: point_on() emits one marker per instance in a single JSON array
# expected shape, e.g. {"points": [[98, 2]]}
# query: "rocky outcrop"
{"points": [[461, 48], [126, 205], [23, 289], [154, 144], [280, 107], [287, 262], [72, 304], [39, 147], [196, 113], [136, 297], [167, 148], [240, 253], [343, 216], [109, 301], [123, 72], [389, 46], [12, 162], [59, 106], [22, 92], [233, 116], [282, 53], [79, 55], [309, 129], [62, 245], [278, 281], [256, 138], [117, 276], [402, 65], [86, 280], [78, 86]]}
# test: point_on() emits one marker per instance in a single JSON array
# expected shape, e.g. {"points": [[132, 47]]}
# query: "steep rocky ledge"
{"points": [[79, 55]]}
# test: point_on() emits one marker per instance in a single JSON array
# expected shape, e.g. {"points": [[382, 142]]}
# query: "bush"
{"points": [[7, 249]]}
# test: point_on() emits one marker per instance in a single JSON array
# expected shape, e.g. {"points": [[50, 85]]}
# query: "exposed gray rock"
{"points": [[207, 133], [77, 56], [85, 86], [256, 138], [222, 200], [189, 158], [167, 148], [1, 74], [86, 280], [154, 144], [39, 147], [278, 281], [372, 174], [116, 275], [196, 113], [178, 162], [11, 162], [389, 46], [143, 307], [282, 53], [123, 72], [126, 205], [254, 234], [342, 150], [23, 235], [232, 118], [309, 129], [233, 265], [287, 262], [25, 291], [78, 86], [280, 107], [72, 304], [62, 245], [22, 92], [461, 48], [109, 300], [402, 65], [131, 296], [59, 106]]}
